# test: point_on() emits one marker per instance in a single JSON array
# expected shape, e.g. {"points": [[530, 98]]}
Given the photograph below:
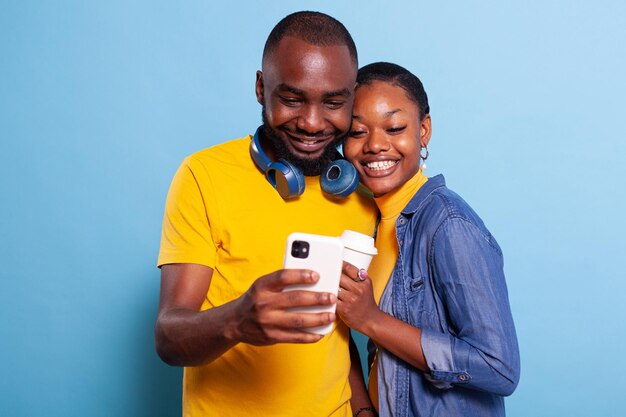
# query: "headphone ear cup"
{"points": [[340, 178], [286, 178]]}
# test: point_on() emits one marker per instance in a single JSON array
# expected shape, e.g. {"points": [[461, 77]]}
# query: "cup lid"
{"points": [[359, 242]]}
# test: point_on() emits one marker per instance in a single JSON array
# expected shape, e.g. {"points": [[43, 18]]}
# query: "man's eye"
{"points": [[399, 129], [290, 101], [335, 104]]}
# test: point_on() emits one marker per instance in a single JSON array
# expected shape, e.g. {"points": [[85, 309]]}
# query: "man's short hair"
{"points": [[312, 27]]}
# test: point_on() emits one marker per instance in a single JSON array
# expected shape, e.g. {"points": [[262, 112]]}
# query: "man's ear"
{"points": [[259, 87], [426, 129]]}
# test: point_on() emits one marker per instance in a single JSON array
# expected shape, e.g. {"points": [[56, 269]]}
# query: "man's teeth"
{"points": [[308, 142], [380, 165]]}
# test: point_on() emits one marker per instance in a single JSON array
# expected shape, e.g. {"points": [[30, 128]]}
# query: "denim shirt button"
{"points": [[463, 377], [402, 220]]}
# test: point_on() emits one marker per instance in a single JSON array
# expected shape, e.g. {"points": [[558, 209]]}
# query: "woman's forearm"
{"points": [[397, 337]]}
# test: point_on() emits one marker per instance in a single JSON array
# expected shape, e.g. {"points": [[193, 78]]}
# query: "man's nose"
{"points": [[311, 120]]}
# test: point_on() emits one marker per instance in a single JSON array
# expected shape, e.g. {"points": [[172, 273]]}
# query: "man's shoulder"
{"points": [[234, 152], [233, 147]]}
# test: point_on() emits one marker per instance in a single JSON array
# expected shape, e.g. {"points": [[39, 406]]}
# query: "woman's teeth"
{"points": [[380, 165]]}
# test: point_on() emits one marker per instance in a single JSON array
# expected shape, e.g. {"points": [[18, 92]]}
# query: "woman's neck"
{"points": [[392, 203]]}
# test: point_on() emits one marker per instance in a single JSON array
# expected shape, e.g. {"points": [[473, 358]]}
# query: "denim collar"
{"points": [[423, 193]]}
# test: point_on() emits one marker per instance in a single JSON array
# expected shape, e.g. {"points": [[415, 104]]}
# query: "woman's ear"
{"points": [[258, 87], [426, 129]]}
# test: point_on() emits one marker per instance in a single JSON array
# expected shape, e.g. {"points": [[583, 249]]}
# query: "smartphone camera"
{"points": [[300, 249]]}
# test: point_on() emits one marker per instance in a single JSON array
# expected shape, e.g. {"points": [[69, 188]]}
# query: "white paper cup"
{"points": [[358, 249]]}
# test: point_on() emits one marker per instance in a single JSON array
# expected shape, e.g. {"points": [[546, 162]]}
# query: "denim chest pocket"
{"points": [[415, 299], [415, 286]]}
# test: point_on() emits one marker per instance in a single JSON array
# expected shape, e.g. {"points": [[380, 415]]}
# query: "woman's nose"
{"points": [[377, 142]]}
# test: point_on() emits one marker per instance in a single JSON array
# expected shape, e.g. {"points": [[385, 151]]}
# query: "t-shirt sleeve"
{"points": [[186, 235]]}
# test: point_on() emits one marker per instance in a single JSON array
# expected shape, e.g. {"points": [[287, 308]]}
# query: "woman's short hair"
{"points": [[398, 76]]}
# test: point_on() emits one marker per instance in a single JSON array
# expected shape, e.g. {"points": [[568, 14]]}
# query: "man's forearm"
{"points": [[186, 337], [261, 316]]}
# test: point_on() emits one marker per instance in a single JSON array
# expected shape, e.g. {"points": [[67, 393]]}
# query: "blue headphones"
{"points": [[339, 179]]}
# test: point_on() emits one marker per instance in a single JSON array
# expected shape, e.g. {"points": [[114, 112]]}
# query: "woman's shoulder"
{"points": [[451, 202], [444, 204]]}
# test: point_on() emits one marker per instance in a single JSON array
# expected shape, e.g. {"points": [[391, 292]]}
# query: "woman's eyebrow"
{"points": [[386, 115], [392, 112], [343, 92]]}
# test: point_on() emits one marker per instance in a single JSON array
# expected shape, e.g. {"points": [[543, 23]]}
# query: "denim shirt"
{"points": [[449, 282]]}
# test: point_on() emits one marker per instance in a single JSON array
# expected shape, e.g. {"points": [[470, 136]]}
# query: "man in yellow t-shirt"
{"points": [[223, 314]]}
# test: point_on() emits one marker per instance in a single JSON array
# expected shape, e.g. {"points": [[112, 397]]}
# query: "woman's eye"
{"points": [[357, 133], [396, 129]]}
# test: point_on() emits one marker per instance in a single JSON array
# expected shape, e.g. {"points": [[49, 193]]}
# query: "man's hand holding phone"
{"points": [[297, 304], [268, 314]]}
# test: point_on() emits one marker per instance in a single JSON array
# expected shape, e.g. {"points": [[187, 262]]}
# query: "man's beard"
{"points": [[309, 167]]}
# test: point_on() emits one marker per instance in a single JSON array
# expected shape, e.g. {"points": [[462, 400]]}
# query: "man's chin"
{"points": [[310, 151], [307, 156], [310, 163]]}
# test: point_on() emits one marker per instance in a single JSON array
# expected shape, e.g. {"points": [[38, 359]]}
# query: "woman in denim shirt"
{"points": [[437, 306]]}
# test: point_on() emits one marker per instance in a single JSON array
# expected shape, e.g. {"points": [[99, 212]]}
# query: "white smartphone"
{"points": [[322, 254]]}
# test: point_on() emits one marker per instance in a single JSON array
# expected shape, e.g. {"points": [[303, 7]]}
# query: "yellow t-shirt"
{"points": [[221, 212]]}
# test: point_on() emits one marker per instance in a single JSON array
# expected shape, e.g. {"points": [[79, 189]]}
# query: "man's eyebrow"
{"points": [[344, 92], [290, 89]]}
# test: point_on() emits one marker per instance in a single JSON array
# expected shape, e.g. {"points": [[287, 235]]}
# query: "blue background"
{"points": [[100, 101]]}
